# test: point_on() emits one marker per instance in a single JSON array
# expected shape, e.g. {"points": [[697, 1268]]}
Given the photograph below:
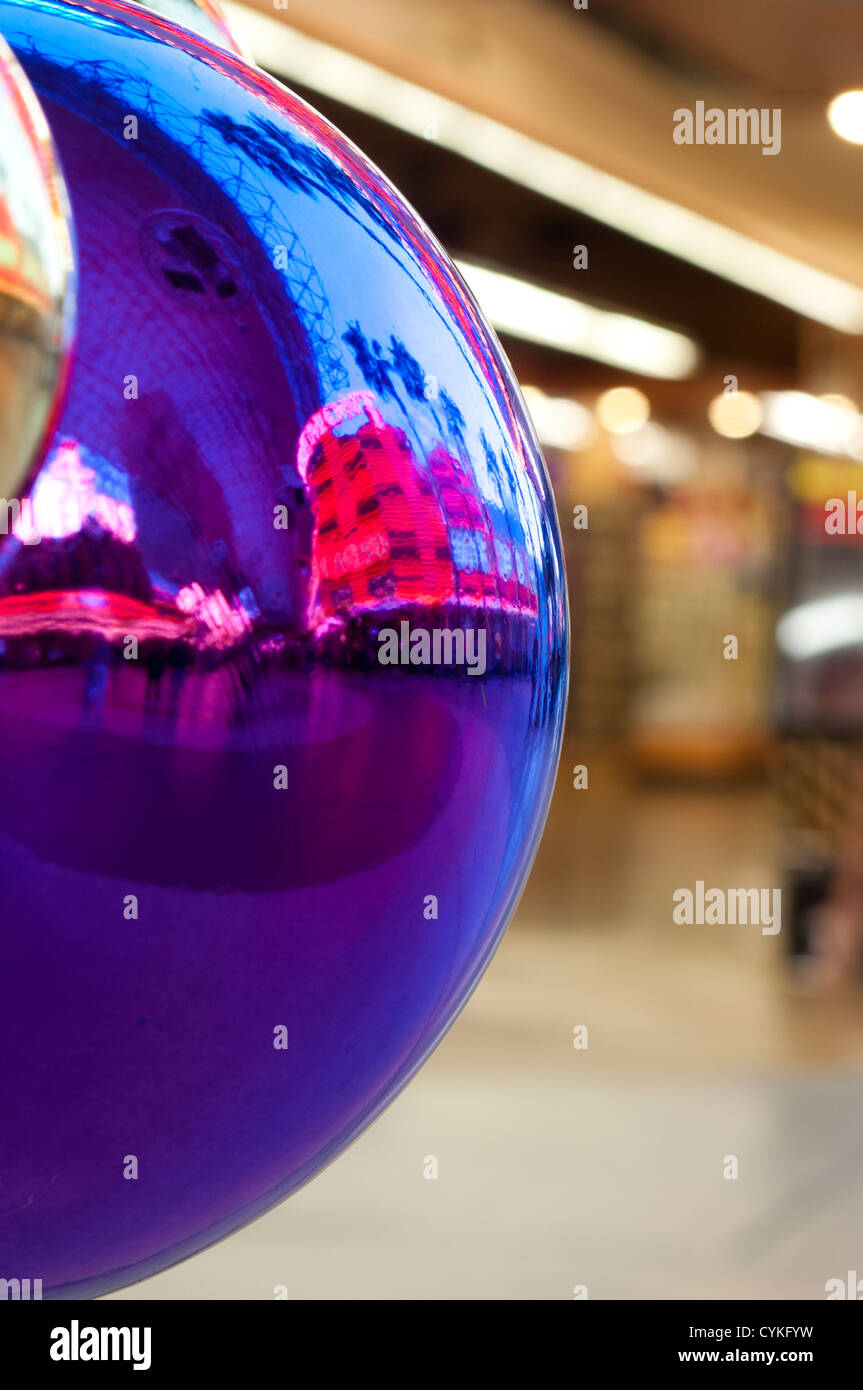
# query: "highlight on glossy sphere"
{"points": [[282, 662], [204, 17], [36, 283]]}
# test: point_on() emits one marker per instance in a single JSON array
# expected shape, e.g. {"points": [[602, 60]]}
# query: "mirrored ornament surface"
{"points": [[204, 17], [283, 662], [36, 284]]}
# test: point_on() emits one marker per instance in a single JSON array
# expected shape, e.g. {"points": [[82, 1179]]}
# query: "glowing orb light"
{"points": [[282, 662]]}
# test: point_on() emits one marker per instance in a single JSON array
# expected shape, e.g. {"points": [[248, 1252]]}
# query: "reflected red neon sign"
{"points": [[334, 413]]}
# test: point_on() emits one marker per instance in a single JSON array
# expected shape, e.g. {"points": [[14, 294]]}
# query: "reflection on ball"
{"points": [[204, 17], [283, 662], [36, 284]]}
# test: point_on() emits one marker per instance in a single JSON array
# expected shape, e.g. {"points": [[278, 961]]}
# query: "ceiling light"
{"points": [[845, 114], [843, 402], [555, 320], [809, 423], [567, 180], [736, 415], [821, 626], [559, 422], [622, 409], [656, 454]]}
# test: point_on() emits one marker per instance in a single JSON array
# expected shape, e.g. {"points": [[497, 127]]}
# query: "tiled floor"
{"points": [[600, 1167]]}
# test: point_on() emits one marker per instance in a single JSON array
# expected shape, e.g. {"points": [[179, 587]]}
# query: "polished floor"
{"points": [[601, 1167]]}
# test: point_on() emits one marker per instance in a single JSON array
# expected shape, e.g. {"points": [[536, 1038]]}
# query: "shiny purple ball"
{"points": [[282, 662]]}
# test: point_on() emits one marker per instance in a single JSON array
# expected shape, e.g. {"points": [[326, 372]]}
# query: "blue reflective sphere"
{"points": [[36, 284], [282, 662]]}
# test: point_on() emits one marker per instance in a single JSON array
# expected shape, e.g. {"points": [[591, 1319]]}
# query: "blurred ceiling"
{"points": [[602, 84], [790, 50]]}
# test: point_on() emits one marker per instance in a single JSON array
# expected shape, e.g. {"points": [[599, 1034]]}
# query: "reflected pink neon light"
{"points": [[76, 611], [65, 496], [328, 417], [356, 555], [224, 622]]}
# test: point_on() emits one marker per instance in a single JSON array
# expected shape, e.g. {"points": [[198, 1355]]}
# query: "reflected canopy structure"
{"points": [[282, 661]]}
